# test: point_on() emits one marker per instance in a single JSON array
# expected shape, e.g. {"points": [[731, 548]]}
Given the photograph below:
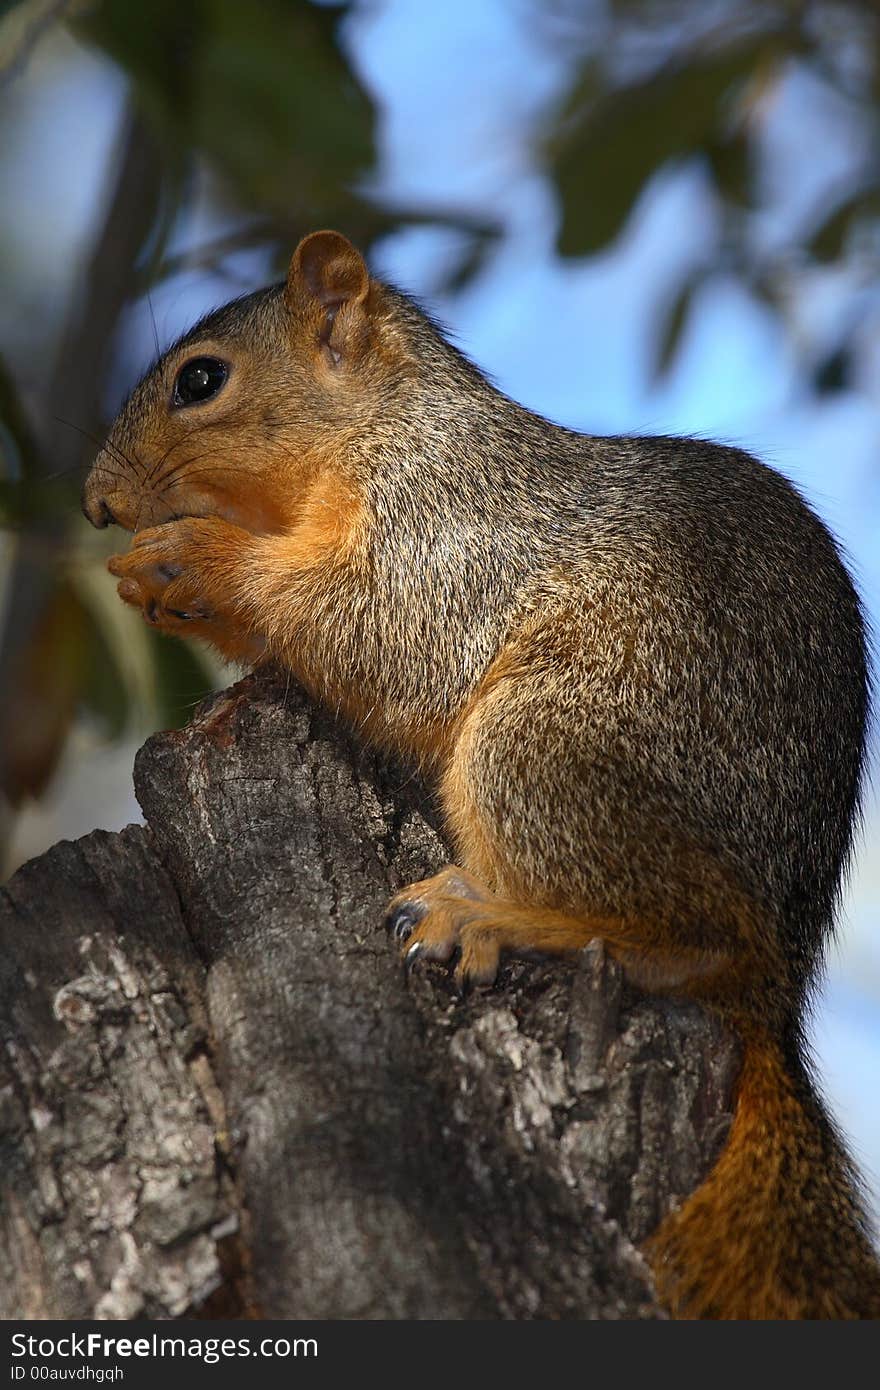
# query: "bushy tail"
{"points": [[777, 1229]]}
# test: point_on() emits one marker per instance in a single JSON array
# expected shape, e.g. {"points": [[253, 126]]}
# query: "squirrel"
{"points": [[635, 669]]}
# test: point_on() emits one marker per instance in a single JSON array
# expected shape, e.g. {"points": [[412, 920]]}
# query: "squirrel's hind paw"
{"points": [[454, 912], [444, 914]]}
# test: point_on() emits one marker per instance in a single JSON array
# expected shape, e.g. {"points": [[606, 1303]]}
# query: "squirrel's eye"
{"points": [[199, 380]]}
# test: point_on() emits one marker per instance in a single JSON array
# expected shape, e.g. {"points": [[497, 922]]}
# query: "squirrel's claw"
{"points": [[411, 959], [463, 984], [401, 920]]}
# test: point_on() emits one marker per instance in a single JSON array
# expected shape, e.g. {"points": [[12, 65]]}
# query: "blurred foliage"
{"points": [[614, 139], [264, 97], [262, 91], [667, 81]]}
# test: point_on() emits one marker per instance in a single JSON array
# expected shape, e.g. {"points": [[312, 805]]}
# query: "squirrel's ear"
{"points": [[330, 269]]}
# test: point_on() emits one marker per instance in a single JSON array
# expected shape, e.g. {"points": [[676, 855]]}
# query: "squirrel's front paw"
{"points": [[177, 574]]}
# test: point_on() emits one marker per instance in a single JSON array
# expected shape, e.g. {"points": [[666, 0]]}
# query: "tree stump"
{"points": [[220, 1096]]}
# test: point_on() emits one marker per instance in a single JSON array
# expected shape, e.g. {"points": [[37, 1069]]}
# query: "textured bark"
{"points": [[221, 1096]]}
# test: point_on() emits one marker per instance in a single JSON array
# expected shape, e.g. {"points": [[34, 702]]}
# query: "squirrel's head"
{"points": [[237, 416]]}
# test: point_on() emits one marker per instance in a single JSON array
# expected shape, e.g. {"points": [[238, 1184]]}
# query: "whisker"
{"points": [[159, 461], [205, 474], [170, 450], [208, 471], [135, 462], [117, 475], [116, 453], [114, 449], [105, 444], [153, 321], [173, 473], [86, 434], [64, 472], [113, 471]]}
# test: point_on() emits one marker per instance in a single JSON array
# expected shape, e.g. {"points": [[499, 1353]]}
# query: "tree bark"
{"points": [[220, 1095]]}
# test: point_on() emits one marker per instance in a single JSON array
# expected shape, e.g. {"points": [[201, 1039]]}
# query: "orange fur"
{"points": [[772, 1231]]}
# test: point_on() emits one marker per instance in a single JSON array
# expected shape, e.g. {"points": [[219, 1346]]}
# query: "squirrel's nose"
{"points": [[97, 511]]}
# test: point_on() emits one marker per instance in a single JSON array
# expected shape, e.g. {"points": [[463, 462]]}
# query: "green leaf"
{"points": [[27, 502], [611, 146], [675, 323], [834, 373], [830, 237], [105, 690], [183, 678], [262, 90], [730, 160], [18, 447], [40, 695], [470, 264]]}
